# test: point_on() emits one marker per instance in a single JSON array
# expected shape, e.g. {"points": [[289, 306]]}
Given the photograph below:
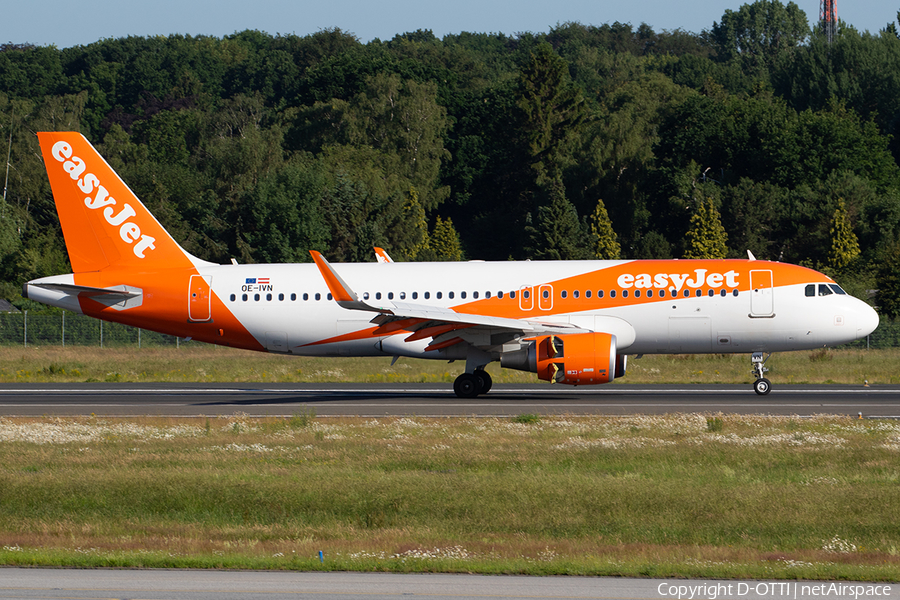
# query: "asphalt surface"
{"points": [[374, 400], [30, 584]]}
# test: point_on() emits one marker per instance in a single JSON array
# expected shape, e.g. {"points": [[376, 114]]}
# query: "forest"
{"points": [[609, 141]]}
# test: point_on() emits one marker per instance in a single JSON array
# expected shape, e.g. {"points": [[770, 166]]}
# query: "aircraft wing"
{"points": [[445, 325]]}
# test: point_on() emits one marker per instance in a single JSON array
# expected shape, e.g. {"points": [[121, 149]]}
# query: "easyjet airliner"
{"points": [[570, 322]]}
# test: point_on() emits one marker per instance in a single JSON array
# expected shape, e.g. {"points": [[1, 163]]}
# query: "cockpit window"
{"points": [[811, 290], [837, 289], [824, 290]]}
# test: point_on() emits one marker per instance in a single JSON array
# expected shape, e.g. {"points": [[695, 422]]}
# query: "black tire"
{"points": [[762, 386], [467, 385], [486, 381]]}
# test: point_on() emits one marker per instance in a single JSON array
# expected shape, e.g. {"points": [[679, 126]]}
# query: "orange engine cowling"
{"points": [[575, 359]]}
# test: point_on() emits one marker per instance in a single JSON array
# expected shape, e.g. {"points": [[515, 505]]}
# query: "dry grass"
{"points": [[202, 363], [688, 495]]}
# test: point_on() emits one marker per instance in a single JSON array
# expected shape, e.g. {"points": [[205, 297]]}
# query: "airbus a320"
{"points": [[569, 322]]}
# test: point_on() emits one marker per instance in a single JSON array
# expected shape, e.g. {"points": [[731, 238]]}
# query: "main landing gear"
{"points": [[761, 386], [470, 385]]}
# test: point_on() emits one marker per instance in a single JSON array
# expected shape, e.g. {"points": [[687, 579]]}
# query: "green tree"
{"points": [[282, 215], [552, 108], [888, 281], [408, 235], [757, 33], [844, 243], [402, 117], [444, 241], [706, 238], [605, 243], [556, 233]]}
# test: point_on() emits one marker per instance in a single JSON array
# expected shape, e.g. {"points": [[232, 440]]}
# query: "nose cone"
{"points": [[867, 321]]}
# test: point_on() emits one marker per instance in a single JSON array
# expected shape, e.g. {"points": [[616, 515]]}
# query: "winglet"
{"points": [[342, 293], [382, 255]]}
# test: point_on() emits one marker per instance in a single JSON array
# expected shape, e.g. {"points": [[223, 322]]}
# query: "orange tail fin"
{"points": [[104, 223]]}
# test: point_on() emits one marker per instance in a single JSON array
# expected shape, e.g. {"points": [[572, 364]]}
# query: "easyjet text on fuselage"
{"points": [[665, 281]]}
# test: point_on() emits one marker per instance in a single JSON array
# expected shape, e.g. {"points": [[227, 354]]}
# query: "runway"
{"points": [[378, 400], [164, 584]]}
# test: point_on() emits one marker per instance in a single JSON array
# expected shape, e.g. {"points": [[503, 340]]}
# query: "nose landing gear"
{"points": [[761, 386]]}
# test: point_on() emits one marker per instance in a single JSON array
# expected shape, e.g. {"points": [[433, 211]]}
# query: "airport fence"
{"points": [[70, 329]]}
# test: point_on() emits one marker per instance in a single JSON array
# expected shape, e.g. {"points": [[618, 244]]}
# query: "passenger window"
{"points": [[233, 297], [439, 295], [723, 293], [377, 296], [305, 296], [649, 293], [244, 297], [318, 296], [269, 297], [462, 295], [587, 293], [526, 294], [256, 297], [294, 297], [624, 293], [710, 293], [330, 297], [500, 295], [546, 293], [450, 295], [415, 295], [824, 290], [699, 293], [564, 294], [427, 295], [403, 295], [687, 293], [600, 294], [734, 293], [513, 295], [575, 294], [390, 295], [281, 297], [475, 295], [810, 290]]}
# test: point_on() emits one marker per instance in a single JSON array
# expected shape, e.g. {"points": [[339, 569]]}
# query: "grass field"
{"points": [[707, 496], [203, 363], [683, 495]]}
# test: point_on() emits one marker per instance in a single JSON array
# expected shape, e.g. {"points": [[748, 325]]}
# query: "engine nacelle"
{"points": [[575, 359]]}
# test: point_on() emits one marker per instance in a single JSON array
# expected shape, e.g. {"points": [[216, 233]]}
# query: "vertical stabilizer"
{"points": [[104, 223]]}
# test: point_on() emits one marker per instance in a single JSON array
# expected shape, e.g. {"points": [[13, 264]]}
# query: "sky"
{"points": [[66, 23]]}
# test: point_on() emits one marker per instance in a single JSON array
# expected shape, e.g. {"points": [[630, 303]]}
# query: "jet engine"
{"points": [[574, 359]]}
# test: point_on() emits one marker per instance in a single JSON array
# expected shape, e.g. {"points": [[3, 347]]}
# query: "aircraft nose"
{"points": [[868, 321]]}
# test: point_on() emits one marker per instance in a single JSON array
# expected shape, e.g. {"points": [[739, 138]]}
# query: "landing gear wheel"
{"points": [[467, 385], [761, 386], [485, 379]]}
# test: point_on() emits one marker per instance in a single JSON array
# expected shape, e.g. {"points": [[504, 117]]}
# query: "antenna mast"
{"points": [[828, 18]]}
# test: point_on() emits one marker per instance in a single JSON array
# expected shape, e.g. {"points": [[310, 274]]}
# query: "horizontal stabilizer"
{"points": [[118, 297]]}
